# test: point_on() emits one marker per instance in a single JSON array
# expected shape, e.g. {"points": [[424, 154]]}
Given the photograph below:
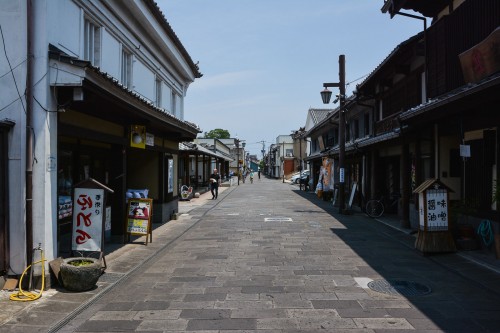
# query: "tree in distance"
{"points": [[217, 133]]}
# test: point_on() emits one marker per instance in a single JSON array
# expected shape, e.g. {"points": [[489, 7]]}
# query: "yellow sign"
{"points": [[137, 227], [138, 136]]}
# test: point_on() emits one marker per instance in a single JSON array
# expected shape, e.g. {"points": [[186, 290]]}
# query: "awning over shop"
{"points": [[87, 89], [193, 149]]}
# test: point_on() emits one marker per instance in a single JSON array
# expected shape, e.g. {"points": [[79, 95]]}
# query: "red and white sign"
{"points": [[88, 213]]}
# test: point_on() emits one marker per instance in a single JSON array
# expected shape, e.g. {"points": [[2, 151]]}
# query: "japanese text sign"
{"points": [[88, 213]]}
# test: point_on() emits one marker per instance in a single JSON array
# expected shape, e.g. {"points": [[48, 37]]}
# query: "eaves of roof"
{"points": [[94, 74], [429, 8], [315, 156], [322, 123], [199, 149], [454, 95], [195, 148], [352, 146], [387, 59]]}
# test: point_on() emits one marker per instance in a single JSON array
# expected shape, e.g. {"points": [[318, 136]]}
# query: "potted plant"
{"points": [[80, 273]]}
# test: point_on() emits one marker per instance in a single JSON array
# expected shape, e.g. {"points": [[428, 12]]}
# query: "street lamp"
{"points": [[325, 96]]}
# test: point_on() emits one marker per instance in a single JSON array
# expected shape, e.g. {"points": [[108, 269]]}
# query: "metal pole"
{"points": [[300, 159], [283, 161], [238, 160], [342, 133]]}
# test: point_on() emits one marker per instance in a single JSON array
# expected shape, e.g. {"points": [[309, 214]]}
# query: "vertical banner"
{"points": [[170, 185], [328, 174], [88, 215]]}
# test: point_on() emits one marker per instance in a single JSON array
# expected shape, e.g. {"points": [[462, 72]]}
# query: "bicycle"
{"points": [[375, 207]]}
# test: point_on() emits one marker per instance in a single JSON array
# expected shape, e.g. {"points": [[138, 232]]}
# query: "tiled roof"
{"points": [[198, 148], [318, 115], [388, 58], [164, 113]]}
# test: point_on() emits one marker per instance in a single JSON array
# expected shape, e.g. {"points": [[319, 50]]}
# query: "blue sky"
{"points": [[264, 61]]}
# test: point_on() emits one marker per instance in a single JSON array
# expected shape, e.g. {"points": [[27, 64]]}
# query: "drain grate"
{"points": [[277, 219], [110, 277], [399, 287]]}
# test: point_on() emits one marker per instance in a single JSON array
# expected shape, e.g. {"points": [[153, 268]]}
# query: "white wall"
{"points": [[61, 23], [143, 81], [13, 21], [111, 51], [150, 59], [166, 97], [64, 29]]}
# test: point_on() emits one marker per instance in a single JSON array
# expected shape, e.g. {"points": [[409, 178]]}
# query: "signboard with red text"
{"points": [[88, 213]]}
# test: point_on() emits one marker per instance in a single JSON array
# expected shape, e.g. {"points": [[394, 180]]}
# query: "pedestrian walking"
{"points": [[214, 184], [251, 177], [258, 172]]}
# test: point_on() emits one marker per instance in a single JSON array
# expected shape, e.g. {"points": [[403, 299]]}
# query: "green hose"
{"points": [[486, 232]]}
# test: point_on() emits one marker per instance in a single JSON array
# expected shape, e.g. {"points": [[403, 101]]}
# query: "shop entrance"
{"points": [[79, 160]]}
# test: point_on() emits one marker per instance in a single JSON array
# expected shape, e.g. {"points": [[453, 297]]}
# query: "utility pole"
{"points": [[326, 95], [342, 133], [263, 151]]}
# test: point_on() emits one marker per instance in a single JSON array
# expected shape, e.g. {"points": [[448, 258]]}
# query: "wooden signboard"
{"points": [[139, 211], [434, 234], [353, 191]]}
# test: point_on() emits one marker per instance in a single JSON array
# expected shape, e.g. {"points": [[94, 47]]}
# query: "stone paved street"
{"points": [[265, 257]]}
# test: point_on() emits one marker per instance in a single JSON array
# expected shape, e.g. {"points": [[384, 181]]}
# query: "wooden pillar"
{"points": [[203, 180], [374, 181], [406, 178], [196, 170], [186, 169]]}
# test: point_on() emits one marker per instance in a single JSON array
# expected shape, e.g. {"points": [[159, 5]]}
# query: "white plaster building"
{"points": [[78, 81]]}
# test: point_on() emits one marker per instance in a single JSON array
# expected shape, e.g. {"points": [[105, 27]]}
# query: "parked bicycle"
{"points": [[376, 208]]}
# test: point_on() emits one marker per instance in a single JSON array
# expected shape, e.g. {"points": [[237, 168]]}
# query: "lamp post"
{"points": [[301, 162], [283, 168], [237, 143], [325, 96], [298, 135], [243, 155]]}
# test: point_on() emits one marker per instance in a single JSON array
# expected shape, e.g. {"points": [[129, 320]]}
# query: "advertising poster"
{"points": [[327, 174], [139, 216]]}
